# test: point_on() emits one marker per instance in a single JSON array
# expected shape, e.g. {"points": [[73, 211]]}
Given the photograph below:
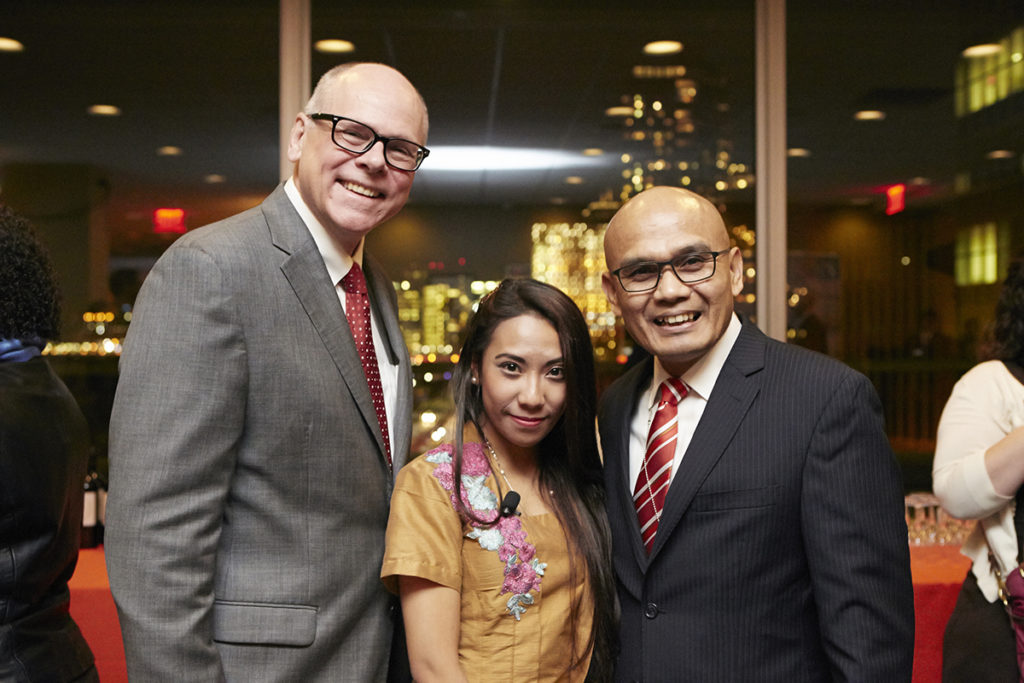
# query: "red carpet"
{"points": [[938, 572], [92, 608]]}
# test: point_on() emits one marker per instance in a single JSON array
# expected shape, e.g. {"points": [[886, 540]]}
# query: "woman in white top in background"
{"points": [[977, 473]]}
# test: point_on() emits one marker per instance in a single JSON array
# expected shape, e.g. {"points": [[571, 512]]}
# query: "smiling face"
{"points": [[676, 322], [351, 194], [521, 374]]}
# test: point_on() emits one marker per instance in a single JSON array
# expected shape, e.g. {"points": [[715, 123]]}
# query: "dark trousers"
{"points": [[979, 645]]}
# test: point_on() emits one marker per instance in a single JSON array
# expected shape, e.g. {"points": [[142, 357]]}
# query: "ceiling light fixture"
{"points": [[169, 151], [982, 50], [1000, 154], [104, 110], [472, 158], [593, 152], [214, 178], [798, 152], [334, 46], [619, 111], [663, 47], [574, 180], [10, 45], [869, 115]]}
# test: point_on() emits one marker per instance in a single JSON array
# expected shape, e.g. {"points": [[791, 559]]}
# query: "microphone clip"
{"points": [[509, 504]]}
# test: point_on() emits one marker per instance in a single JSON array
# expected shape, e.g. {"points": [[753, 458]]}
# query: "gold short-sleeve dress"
{"points": [[514, 578]]}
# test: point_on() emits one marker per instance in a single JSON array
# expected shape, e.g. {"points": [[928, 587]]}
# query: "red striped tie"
{"points": [[357, 310], [655, 474]]}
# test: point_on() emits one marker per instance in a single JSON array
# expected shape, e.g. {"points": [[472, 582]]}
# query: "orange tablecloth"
{"points": [[938, 572]]}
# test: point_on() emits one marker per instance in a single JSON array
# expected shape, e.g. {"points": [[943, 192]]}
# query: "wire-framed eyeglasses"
{"points": [[688, 268], [358, 138]]}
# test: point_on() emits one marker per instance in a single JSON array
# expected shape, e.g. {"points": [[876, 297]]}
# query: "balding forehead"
{"points": [[684, 213], [677, 203]]}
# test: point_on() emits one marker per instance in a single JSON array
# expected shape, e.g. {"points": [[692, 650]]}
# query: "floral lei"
{"points": [[522, 569]]}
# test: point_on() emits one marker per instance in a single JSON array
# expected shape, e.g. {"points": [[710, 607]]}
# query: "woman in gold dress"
{"points": [[497, 542]]}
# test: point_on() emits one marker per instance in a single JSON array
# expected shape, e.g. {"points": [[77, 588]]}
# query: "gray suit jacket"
{"points": [[781, 554], [248, 487]]}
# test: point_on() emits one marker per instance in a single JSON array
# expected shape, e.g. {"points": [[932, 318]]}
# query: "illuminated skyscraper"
{"points": [[571, 257]]}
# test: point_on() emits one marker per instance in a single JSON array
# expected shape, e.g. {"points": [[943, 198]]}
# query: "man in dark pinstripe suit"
{"points": [[780, 548]]}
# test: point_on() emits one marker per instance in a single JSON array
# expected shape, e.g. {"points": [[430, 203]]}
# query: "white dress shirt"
{"points": [[700, 380], [338, 264]]}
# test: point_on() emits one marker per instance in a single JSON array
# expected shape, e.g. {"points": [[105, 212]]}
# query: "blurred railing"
{"points": [[913, 394]]}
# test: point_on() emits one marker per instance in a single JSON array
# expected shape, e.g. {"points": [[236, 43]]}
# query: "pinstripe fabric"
{"points": [[781, 552], [656, 470]]}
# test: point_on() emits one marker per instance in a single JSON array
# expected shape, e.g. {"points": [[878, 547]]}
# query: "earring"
{"points": [[474, 380]]}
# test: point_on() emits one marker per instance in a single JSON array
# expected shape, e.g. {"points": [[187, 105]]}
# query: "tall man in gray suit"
{"points": [[252, 454], [755, 505]]}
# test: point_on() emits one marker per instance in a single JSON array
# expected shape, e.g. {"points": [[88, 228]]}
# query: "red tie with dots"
{"points": [[656, 472], [357, 310]]}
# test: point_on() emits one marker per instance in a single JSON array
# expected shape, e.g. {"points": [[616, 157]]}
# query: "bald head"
{"points": [[661, 206], [357, 74], [680, 312]]}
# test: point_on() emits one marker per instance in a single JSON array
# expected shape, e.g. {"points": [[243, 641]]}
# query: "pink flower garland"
{"points": [[523, 571]]}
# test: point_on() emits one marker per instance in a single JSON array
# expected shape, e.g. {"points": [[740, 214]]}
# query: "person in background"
{"points": [[978, 473], [44, 452], [264, 402], [756, 507], [498, 543]]}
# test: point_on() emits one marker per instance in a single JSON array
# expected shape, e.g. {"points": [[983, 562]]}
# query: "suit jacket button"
{"points": [[651, 610]]}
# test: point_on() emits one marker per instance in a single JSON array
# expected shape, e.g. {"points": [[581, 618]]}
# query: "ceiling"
{"points": [[202, 75]]}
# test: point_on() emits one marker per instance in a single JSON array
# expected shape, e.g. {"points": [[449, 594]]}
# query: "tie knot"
{"points": [[673, 391], [354, 282]]}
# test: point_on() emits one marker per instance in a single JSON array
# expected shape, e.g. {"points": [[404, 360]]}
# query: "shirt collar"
{"points": [[701, 377], [337, 260]]}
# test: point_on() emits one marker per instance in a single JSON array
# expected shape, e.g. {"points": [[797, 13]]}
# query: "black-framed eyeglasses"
{"points": [[688, 268], [358, 138]]}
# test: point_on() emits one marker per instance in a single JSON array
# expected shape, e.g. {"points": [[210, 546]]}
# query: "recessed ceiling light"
{"points": [[1000, 154], [663, 47], [334, 46], [919, 181], [10, 45], [558, 201], [214, 178], [982, 50], [574, 180], [619, 111], [869, 115], [169, 151], [104, 110], [593, 152], [798, 152]]}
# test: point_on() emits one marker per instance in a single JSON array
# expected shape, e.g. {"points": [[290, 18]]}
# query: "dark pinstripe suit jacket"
{"points": [[782, 551]]}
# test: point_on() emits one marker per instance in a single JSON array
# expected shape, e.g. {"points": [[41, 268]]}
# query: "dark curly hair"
{"points": [[1009, 323], [29, 302]]}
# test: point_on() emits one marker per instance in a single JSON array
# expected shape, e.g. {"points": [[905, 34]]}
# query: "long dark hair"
{"points": [[29, 300], [1009, 323], [567, 458]]}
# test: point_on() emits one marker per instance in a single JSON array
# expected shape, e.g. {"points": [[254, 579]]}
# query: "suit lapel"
{"points": [[305, 271], [735, 389]]}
